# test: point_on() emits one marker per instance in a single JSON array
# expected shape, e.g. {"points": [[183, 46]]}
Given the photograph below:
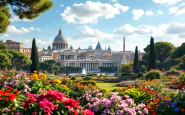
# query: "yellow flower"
{"points": [[13, 108]]}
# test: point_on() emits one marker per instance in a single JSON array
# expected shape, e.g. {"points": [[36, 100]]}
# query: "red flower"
{"points": [[146, 88], [74, 112], [8, 88], [11, 97], [87, 112], [70, 103]]}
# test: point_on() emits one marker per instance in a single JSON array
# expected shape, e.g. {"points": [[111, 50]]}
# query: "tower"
{"points": [[124, 59]]}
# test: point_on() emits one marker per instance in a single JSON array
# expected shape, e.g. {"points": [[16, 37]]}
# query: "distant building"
{"points": [[44, 57], [15, 45], [90, 59], [27, 51], [140, 56]]}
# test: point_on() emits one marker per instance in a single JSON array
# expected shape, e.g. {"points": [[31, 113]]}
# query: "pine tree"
{"points": [[24, 9], [136, 61], [152, 55], [34, 58]]}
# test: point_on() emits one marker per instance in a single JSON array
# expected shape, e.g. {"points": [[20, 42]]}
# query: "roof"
{"points": [[60, 36], [12, 42], [98, 46]]}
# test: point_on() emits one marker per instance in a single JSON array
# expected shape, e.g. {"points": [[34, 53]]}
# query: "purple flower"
{"points": [[24, 74], [106, 111]]}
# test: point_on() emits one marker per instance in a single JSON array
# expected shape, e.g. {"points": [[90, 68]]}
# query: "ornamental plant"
{"points": [[153, 74], [8, 99], [52, 102], [112, 105]]}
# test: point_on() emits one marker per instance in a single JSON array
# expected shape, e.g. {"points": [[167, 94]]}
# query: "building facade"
{"points": [[15, 45], [90, 59]]}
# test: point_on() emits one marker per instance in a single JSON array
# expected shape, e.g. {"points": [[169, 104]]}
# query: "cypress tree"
{"points": [[34, 58], [136, 61], [152, 55]]}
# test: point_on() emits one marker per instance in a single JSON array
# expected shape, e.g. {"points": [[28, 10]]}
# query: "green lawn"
{"points": [[108, 86]]}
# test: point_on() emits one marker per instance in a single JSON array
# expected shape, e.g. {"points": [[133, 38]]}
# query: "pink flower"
{"points": [[87, 112], [145, 111]]}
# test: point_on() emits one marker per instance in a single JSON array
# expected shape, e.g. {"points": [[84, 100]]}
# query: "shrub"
{"points": [[73, 78], [91, 74], [88, 82], [153, 74], [87, 78], [140, 75], [137, 95], [172, 71]]}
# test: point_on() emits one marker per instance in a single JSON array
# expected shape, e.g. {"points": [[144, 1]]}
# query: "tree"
{"points": [[152, 55], [4, 18], [34, 58], [179, 51], [163, 50], [28, 9], [136, 61], [19, 59], [127, 68], [5, 56]]}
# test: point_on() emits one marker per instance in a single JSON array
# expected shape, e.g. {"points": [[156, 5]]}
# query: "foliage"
{"points": [[73, 78], [108, 69], [142, 68], [91, 74], [163, 50], [127, 68], [4, 18], [178, 83], [70, 69], [172, 71], [19, 59], [136, 62], [153, 74], [87, 78], [5, 56], [89, 82], [140, 75], [23, 9], [167, 64], [50, 66], [137, 95], [179, 51], [152, 55], [34, 58]]}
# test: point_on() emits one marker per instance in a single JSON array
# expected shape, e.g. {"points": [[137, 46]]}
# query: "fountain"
{"points": [[84, 73]]}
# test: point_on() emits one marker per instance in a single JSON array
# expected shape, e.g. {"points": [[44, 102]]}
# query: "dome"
{"points": [[60, 37]]}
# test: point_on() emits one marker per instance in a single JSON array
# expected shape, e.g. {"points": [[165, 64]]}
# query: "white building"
{"points": [[90, 59]]}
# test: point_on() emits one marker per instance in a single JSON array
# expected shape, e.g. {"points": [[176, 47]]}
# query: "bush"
{"points": [[87, 78], [91, 74], [88, 82], [140, 75], [153, 74], [73, 78], [137, 95], [172, 71]]}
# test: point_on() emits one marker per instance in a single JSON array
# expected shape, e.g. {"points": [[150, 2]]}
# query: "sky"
{"points": [[84, 22]]}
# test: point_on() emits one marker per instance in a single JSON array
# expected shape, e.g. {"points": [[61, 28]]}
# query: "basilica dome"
{"points": [[59, 42], [60, 38]]}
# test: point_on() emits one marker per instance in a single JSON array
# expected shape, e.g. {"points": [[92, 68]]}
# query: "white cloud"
{"points": [[90, 12], [177, 28], [166, 1], [4, 35], [31, 28], [123, 8], [178, 10], [113, 0], [159, 12], [14, 30], [38, 29], [16, 19], [89, 33], [149, 13], [62, 5], [137, 14]]}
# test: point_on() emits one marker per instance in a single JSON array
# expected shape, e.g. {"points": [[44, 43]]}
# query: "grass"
{"points": [[108, 86]]}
